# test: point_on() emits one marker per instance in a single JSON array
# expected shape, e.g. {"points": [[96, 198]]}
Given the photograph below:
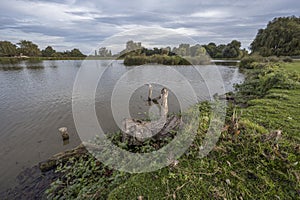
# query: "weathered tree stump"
{"points": [[150, 99], [137, 131], [150, 92], [64, 133]]}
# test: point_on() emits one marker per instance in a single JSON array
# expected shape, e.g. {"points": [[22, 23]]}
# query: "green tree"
{"points": [[48, 52], [7, 48], [281, 37], [211, 49], [230, 52], [236, 45], [76, 53], [28, 48]]}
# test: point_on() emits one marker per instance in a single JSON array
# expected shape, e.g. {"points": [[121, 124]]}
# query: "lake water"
{"points": [[36, 99]]}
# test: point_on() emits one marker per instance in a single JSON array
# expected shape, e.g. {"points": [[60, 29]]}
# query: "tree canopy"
{"points": [[281, 37], [7, 49], [28, 48], [48, 52], [76, 53], [230, 50]]}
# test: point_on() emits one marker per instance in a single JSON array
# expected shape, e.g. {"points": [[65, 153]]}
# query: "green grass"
{"points": [[15, 60], [241, 166], [10, 60], [292, 66], [279, 109]]}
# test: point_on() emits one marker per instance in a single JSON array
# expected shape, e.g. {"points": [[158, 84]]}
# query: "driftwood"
{"points": [[137, 131]]}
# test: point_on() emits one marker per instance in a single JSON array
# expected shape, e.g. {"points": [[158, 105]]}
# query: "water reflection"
{"points": [[34, 64], [225, 63], [10, 67], [35, 67], [34, 61]]}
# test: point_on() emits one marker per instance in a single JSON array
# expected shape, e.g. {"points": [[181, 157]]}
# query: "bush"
{"points": [[158, 59], [286, 59], [246, 62]]}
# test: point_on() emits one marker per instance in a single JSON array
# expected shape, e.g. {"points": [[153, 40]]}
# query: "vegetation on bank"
{"points": [[231, 50], [184, 54], [25, 49], [13, 60], [165, 60], [16, 60], [250, 161]]}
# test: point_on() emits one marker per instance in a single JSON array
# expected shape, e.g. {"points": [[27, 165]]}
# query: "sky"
{"points": [[88, 25]]}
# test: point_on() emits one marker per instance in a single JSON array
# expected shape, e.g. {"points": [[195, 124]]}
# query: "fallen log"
{"points": [[52, 162]]}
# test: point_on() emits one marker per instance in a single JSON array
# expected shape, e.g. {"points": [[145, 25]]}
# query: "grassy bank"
{"points": [[15, 60], [252, 159], [10, 60]]}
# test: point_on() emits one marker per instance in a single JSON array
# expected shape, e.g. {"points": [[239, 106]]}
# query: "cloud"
{"points": [[85, 24], [211, 14]]}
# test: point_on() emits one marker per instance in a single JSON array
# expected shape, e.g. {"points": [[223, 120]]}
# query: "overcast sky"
{"points": [[83, 24]]}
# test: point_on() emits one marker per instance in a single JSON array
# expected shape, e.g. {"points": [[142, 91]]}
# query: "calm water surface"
{"points": [[36, 99]]}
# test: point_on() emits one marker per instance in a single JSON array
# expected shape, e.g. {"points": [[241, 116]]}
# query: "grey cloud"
{"points": [[83, 24]]}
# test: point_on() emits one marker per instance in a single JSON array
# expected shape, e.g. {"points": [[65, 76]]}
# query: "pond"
{"points": [[36, 100]]}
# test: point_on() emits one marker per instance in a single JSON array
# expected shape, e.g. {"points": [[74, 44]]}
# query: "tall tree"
{"points": [[7, 48], [76, 53], [48, 52], [232, 50], [28, 48], [281, 37], [211, 49]]}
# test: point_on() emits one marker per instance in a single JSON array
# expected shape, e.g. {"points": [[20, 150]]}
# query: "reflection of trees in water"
{"points": [[34, 64], [11, 67], [35, 67]]}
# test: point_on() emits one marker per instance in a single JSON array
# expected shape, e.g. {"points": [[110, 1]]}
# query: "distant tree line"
{"points": [[230, 50], [28, 48]]}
